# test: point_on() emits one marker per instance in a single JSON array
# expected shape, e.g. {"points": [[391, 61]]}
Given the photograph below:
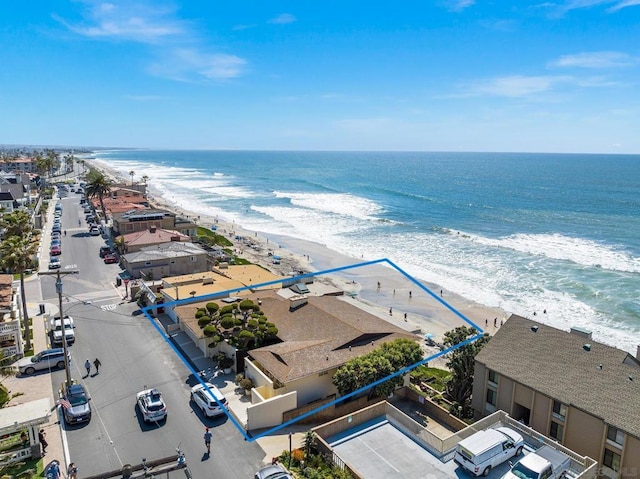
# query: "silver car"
{"points": [[47, 359], [274, 471], [75, 404]]}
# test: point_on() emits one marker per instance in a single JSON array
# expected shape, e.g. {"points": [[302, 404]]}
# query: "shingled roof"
{"points": [[321, 335], [568, 367]]}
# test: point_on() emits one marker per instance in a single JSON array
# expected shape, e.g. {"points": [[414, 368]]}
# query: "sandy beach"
{"points": [[380, 288]]}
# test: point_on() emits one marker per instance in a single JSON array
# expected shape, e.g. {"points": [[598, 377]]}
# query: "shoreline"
{"points": [[412, 304]]}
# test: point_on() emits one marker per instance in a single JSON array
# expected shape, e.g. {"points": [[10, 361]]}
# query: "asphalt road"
{"points": [[134, 356]]}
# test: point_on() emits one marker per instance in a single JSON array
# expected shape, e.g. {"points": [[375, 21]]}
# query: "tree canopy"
{"points": [[461, 362], [388, 359]]}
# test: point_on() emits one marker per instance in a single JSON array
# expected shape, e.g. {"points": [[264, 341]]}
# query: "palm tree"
{"points": [[17, 256], [98, 186], [144, 179], [132, 173]]}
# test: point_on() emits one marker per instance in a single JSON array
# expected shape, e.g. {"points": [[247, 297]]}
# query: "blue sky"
{"points": [[453, 75]]}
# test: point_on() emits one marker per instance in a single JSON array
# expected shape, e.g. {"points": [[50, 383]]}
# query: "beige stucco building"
{"points": [[583, 394]]}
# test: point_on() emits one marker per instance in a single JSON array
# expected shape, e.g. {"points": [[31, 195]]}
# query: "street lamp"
{"points": [[64, 335]]}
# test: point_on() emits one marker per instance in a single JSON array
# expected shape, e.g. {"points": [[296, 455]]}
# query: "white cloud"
{"points": [[617, 4], [595, 60], [624, 4], [514, 86], [128, 21], [187, 64], [459, 5], [283, 19]]}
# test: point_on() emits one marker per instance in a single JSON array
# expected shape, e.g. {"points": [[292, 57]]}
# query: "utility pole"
{"points": [[64, 333]]}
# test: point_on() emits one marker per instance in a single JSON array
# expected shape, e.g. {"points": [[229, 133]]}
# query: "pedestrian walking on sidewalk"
{"points": [[207, 439], [97, 364], [72, 471], [87, 366], [42, 438]]}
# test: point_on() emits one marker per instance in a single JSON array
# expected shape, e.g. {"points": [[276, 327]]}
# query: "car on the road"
{"points": [[105, 250], [151, 405], [54, 262], [274, 471], [69, 333], [75, 404], [110, 258], [46, 359], [205, 399], [94, 231], [55, 250]]}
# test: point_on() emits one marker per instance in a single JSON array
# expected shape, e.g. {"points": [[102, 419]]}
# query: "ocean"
{"points": [[522, 232]]}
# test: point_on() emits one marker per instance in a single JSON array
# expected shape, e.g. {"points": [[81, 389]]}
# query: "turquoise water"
{"points": [[524, 232]]}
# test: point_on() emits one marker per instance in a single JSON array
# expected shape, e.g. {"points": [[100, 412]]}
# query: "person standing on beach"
{"points": [[97, 364]]}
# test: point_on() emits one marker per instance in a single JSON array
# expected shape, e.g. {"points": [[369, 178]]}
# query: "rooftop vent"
{"points": [[600, 366], [585, 333], [534, 329], [586, 347]]}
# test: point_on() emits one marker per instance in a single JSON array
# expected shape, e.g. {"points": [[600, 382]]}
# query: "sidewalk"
{"points": [[38, 386]]}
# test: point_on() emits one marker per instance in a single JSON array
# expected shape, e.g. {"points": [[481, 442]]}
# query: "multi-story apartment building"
{"points": [[583, 394]]}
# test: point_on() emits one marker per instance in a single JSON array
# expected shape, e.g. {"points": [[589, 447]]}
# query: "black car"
{"points": [[75, 404], [105, 250]]}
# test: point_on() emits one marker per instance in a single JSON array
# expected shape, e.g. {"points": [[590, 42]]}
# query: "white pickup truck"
{"points": [[545, 463], [57, 331]]}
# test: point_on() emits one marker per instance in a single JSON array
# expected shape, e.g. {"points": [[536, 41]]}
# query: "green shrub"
{"points": [[212, 307], [203, 321], [227, 322], [209, 330], [226, 309]]}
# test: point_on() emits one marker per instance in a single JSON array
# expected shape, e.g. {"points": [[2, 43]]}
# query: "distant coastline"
{"points": [[521, 233]]}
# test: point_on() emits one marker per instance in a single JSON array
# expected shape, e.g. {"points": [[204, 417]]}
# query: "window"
{"points": [[559, 410], [556, 431], [147, 263], [615, 436], [611, 459], [193, 259], [493, 377], [492, 397]]}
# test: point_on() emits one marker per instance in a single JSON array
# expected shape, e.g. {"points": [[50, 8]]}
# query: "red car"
{"points": [[55, 250], [110, 258]]}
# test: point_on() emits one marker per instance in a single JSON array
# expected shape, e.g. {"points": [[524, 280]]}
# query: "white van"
{"points": [[486, 449]]}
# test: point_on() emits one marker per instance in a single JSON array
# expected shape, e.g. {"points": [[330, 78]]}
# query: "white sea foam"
{"points": [[338, 203], [560, 247]]}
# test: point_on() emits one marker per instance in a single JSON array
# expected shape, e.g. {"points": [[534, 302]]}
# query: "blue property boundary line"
{"points": [[294, 279]]}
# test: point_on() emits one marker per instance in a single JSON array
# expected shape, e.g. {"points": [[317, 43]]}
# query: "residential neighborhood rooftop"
{"points": [[570, 367]]}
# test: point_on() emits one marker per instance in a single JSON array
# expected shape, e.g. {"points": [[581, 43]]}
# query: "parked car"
{"points": [[94, 231], [55, 250], [110, 258], [55, 235], [274, 471], [105, 250], [151, 405], [56, 242], [47, 359], [56, 229], [75, 404], [54, 263], [206, 399]]}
